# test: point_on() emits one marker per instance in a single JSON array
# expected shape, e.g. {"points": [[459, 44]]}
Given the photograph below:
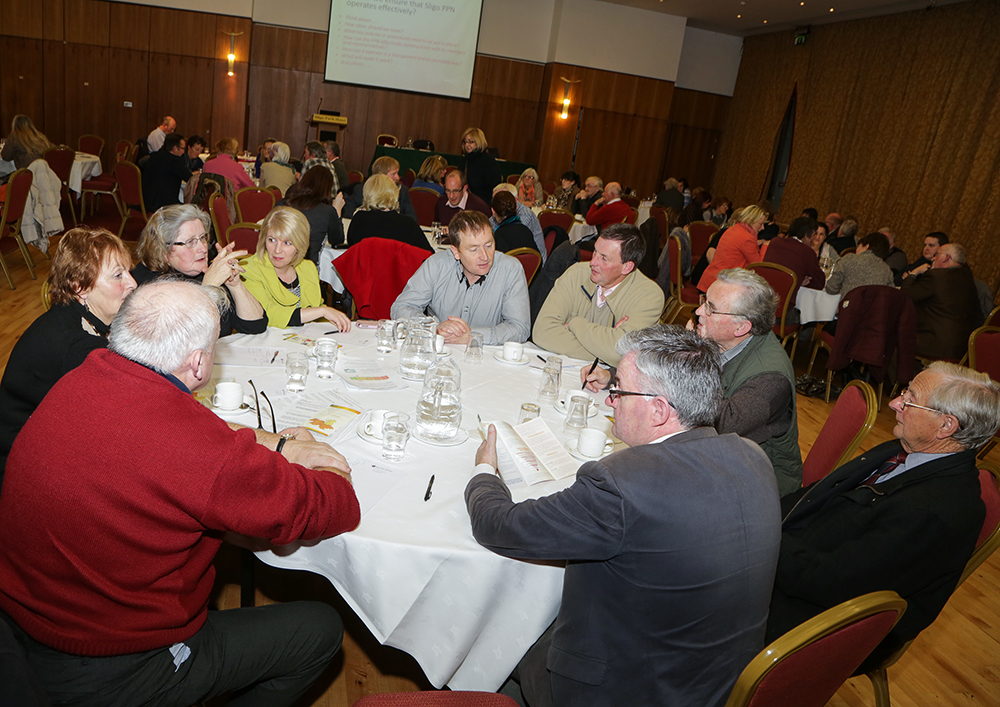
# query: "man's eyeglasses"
{"points": [[192, 243], [907, 404], [712, 311]]}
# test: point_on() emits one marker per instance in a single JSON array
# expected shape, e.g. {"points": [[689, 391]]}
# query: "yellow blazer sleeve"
{"points": [[263, 283]]}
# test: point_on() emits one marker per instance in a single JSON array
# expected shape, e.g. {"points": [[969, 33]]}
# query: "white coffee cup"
{"points": [[228, 395], [376, 418], [513, 351], [439, 343], [593, 443]]}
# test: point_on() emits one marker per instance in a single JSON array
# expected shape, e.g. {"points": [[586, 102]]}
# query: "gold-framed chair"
{"points": [[846, 427], [530, 260], [387, 140], [11, 216], [783, 281], [46, 295]]}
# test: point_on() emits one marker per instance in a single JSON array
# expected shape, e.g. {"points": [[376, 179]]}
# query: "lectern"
{"points": [[327, 124]]}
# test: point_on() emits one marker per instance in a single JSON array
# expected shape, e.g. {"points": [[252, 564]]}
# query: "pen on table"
{"points": [[482, 428], [427, 496], [584, 386], [274, 357], [327, 333]]}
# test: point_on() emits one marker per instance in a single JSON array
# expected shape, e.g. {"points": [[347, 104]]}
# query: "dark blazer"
{"points": [[355, 200], [948, 310], [386, 224], [800, 259], [443, 213], [161, 180], [482, 173], [511, 235], [670, 552], [911, 534]]}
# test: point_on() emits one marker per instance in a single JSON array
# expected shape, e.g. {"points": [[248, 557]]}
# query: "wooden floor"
{"points": [[954, 662]]}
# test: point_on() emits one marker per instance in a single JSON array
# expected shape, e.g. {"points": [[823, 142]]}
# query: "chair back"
{"points": [[244, 235], [276, 192], [701, 233], [91, 144], [122, 150], [807, 665], [530, 260], [253, 204], [631, 201], [375, 271], [60, 159], [676, 270], [18, 188], [994, 318], [424, 200], [783, 281], [555, 217], [220, 216], [423, 144], [989, 536], [844, 431], [660, 214], [409, 177], [550, 241], [386, 139], [438, 698], [46, 295], [984, 351], [874, 322], [133, 153], [549, 187], [632, 216], [586, 255], [512, 179], [355, 176], [130, 186]]}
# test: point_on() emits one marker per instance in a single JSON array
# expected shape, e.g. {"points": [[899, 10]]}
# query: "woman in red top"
{"points": [[738, 246]]}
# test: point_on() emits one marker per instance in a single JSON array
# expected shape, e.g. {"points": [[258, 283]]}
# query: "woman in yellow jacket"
{"points": [[282, 280]]}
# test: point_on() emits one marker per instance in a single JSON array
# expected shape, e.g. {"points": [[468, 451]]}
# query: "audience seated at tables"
{"points": [[795, 253], [932, 241], [339, 168], [431, 174], [88, 280], [947, 302], [569, 185], [389, 167], [175, 242], [670, 196], [313, 155], [163, 174], [864, 267], [192, 156], [904, 516], [719, 213], [379, 216], [896, 260], [737, 245], [263, 156], [509, 233], [585, 198], [277, 171], [25, 144], [847, 234], [609, 208], [821, 248], [479, 167], [280, 276], [469, 287], [529, 189], [527, 217], [224, 163], [594, 304], [458, 198], [156, 137], [313, 195], [833, 221], [656, 608], [108, 537], [695, 211]]}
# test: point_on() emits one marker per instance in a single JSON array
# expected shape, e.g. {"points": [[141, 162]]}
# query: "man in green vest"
{"points": [[758, 383]]}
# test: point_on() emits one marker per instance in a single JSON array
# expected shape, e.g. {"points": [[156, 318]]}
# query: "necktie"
{"points": [[886, 468]]}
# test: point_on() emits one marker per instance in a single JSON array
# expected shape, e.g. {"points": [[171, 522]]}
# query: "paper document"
{"points": [[323, 412], [233, 355], [364, 374], [532, 452]]}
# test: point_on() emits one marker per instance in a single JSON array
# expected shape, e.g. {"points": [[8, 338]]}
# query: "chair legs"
{"points": [[880, 683]]}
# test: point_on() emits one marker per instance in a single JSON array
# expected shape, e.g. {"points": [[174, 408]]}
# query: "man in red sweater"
{"points": [[117, 495], [609, 208]]}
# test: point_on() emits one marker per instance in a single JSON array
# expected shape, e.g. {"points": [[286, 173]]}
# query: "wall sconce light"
{"points": [[232, 50], [565, 101]]}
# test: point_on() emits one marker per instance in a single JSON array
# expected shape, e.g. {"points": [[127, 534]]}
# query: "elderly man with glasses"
{"points": [[905, 516], [670, 545], [758, 382]]}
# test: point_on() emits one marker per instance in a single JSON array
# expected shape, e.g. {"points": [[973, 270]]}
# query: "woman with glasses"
{"points": [[88, 282], [176, 241], [282, 279], [481, 170]]}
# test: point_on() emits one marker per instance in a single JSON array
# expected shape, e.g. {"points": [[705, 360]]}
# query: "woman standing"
{"points": [[481, 170]]}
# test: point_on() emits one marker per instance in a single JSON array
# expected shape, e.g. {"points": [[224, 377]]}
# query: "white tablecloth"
{"points": [[412, 571], [816, 305], [580, 230], [84, 167]]}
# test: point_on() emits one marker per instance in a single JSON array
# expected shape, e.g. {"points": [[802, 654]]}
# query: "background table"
{"points": [[84, 167], [412, 571], [413, 159], [816, 305]]}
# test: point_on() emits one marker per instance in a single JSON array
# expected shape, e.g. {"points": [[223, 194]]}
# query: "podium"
{"points": [[327, 124]]}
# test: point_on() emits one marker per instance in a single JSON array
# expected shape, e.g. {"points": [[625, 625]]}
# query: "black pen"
{"points": [[584, 386], [427, 496], [327, 333], [541, 359]]}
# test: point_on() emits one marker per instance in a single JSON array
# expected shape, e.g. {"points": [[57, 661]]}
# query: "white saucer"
{"points": [[360, 429], [573, 452], [560, 406], [246, 409], [523, 362], [460, 437], [444, 353]]}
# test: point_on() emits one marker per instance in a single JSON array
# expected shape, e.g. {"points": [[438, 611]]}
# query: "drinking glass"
{"points": [[297, 369], [395, 433], [529, 411], [385, 336], [548, 390], [576, 418], [326, 357], [474, 349]]}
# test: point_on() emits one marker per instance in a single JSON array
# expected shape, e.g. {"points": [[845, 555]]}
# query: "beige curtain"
{"points": [[898, 124]]}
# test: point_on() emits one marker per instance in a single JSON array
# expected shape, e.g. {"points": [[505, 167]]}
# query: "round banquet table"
{"points": [[412, 570], [816, 305], [84, 167]]}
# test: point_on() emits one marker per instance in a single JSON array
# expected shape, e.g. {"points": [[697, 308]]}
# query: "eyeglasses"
{"points": [[907, 404], [468, 141], [711, 311], [192, 243], [614, 393], [453, 191]]}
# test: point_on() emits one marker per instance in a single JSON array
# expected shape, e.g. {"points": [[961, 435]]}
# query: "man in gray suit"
{"points": [[670, 545]]}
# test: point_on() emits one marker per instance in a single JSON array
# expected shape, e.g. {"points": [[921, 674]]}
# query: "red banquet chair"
{"points": [[984, 356], [555, 217], [244, 235], [220, 216], [18, 187], [375, 271], [683, 299], [253, 204], [409, 177], [424, 200], [60, 159], [701, 233], [530, 260], [130, 187], [783, 281], [844, 431], [91, 144]]}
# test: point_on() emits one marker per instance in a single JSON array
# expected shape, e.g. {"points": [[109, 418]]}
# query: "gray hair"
{"points": [[757, 301], [161, 231], [505, 186], [682, 367], [956, 251], [279, 152], [973, 398], [849, 228], [161, 323]]}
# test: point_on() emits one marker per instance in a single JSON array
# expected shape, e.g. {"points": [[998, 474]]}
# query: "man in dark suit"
{"points": [[163, 173], [911, 529], [669, 545]]}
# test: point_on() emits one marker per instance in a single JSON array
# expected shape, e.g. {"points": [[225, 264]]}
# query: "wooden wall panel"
{"points": [[87, 22], [352, 103], [654, 98], [54, 80], [282, 48], [128, 80], [699, 110], [644, 153], [229, 103], [181, 32], [87, 91], [182, 87], [510, 125], [279, 102], [22, 91], [130, 26], [318, 56], [691, 153], [243, 28], [519, 80], [52, 29], [22, 19]]}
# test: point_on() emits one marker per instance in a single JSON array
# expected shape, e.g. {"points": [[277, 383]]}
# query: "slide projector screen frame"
{"points": [[421, 46]]}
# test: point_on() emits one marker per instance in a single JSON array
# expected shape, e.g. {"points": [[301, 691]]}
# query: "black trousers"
{"points": [[266, 656]]}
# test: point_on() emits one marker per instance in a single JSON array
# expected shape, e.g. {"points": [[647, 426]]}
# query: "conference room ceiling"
{"points": [[747, 17]]}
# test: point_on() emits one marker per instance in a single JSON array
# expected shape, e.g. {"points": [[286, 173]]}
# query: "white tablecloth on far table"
{"points": [[816, 305], [84, 167], [412, 570]]}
